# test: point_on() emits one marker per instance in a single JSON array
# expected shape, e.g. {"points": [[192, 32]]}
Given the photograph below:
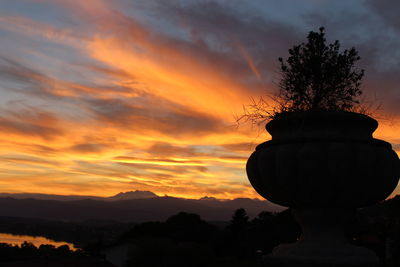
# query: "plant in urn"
{"points": [[322, 160]]}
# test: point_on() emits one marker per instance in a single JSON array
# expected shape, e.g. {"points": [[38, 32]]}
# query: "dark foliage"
{"points": [[186, 240], [183, 227], [78, 233], [239, 223], [183, 240], [27, 251], [268, 230], [317, 76]]}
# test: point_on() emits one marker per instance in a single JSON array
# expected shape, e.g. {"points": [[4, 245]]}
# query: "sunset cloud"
{"points": [[99, 97]]}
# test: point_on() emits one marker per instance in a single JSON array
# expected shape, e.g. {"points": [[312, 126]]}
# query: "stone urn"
{"points": [[323, 165]]}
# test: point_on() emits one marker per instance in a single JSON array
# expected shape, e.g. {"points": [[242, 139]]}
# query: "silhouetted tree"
{"points": [[27, 252], [238, 234], [262, 233], [183, 239], [239, 221], [316, 76], [286, 226], [190, 227], [268, 230]]}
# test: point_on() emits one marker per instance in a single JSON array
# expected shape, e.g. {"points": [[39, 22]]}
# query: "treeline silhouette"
{"points": [[78, 233], [184, 239], [28, 254]]}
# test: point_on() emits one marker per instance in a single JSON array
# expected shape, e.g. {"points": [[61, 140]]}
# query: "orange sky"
{"points": [[99, 98]]}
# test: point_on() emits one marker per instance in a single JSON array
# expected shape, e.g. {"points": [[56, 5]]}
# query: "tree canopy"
{"points": [[317, 76]]}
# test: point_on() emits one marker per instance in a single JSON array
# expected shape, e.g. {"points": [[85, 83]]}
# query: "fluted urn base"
{"points": [[322, 243]]}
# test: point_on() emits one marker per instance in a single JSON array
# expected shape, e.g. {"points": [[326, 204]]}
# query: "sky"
{"points": [[99, 97]]}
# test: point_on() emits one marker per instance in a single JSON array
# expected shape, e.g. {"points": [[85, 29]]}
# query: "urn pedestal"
{"points": [[323, 165]]}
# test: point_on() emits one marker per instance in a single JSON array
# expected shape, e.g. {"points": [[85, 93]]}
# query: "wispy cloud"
{"points": [[107, 96]]}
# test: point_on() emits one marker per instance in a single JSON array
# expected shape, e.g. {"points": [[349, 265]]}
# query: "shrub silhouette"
{"points": [[239, 223], [317, 76]]}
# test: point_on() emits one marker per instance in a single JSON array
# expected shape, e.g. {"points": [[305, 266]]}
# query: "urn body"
{"points": [[323, 159]]}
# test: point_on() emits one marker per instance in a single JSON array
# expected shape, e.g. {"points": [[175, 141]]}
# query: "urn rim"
{"points": [[332, 119]]}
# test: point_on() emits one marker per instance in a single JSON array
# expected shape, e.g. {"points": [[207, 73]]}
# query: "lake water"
{"points": [[36, 240]]}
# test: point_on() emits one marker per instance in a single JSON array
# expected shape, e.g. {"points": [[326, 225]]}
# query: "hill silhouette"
{"points": [[125, 207], [238, 241], [137, 194]]}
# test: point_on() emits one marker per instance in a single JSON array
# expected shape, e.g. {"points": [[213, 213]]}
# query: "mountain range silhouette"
{"points": [[134, 206]]}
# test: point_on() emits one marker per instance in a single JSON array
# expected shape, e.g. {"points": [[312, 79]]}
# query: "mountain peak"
{"points": [[137, 194], [207, 198]]}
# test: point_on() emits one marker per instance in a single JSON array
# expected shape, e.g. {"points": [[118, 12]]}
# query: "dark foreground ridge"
{"points": [[185, 239], [125, 207]]}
